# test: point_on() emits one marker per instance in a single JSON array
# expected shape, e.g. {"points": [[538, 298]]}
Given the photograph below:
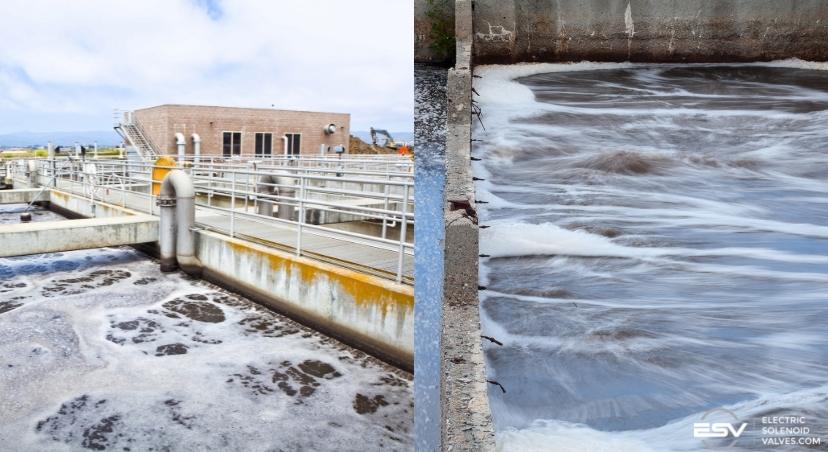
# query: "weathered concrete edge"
{"points": [[364, 311], [22, 195], [71, 205], [466, 423], [653, 31], [69, 235]]}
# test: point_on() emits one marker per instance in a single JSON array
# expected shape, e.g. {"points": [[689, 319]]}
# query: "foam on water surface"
{"points": [[10, 213], [657, 240], [100, 350]]}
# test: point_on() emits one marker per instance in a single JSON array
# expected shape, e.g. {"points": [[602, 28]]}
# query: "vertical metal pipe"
{"points": [[185, 239], [180, 143], [166, 233], [177, 203], [196, 148]]}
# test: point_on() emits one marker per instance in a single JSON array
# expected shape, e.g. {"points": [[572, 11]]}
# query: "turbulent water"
{"points": [[99, 350], [659, 248]]}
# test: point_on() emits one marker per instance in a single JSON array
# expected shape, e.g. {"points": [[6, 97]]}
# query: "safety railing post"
{"points": [[301, 214], [385, 206], [246, 189], [403, 230], [233, 205]]}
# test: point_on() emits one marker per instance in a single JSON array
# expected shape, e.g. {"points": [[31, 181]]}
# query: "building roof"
{"points": [[243, 108]]}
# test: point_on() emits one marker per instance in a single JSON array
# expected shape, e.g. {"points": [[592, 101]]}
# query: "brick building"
{"points": [[245, 132]]}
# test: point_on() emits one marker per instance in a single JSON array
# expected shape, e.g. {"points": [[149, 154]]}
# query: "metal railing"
{"points": [[370, 207], [350, 162]]}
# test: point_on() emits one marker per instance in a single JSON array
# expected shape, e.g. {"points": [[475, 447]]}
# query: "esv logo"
{"points": [[716, 427]]}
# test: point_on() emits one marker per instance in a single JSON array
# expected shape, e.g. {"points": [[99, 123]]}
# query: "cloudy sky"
{"points": [[65, 65]]}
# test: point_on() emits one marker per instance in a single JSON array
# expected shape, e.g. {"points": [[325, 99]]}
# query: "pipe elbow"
{"points": [[196, 138], [179, 138], [177, 184]]}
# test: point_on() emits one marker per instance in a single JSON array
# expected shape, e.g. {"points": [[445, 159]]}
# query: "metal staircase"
{"points": [[139, 146]]}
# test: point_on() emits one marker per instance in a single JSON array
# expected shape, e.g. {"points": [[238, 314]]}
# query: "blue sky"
{"points": [[65, 66]]}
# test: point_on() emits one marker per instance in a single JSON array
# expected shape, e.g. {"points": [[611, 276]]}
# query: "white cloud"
{"points": [[87, 57]]}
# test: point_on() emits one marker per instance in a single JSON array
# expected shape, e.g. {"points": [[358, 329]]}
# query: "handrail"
{"points": [[146, 137], [384, 198]]}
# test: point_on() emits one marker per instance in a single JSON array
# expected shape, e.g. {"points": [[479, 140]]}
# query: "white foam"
{"points": [[509, 239], [705, 184], [523, 239], [57, 349], [794, 63], [559, 436], [502, 98]]}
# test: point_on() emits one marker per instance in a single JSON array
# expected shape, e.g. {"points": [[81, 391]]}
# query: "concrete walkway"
{"points": [[69, 235]]}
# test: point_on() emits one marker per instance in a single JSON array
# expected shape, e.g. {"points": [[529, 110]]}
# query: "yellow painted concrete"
{"points": [[364, 289]]}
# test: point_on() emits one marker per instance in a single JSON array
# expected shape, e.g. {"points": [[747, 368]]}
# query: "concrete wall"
{"points": [[508, 31], [113, 225], [22, 196], [74, 206], [423, 24], [466, 423], [371, 313], [161, 123], [68, 235]]}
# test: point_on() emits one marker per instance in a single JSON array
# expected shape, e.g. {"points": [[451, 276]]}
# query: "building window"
{"points": [[232, 143], [264, 144], [294, 144]]}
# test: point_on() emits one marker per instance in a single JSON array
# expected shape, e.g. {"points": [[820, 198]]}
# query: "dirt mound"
{"points": [[357, 146]]}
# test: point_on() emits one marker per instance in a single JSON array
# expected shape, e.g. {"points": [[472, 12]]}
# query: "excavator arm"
{"points": [[389, 140]]}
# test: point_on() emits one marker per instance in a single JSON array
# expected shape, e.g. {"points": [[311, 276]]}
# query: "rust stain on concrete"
{"points": [[364, 289]]}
